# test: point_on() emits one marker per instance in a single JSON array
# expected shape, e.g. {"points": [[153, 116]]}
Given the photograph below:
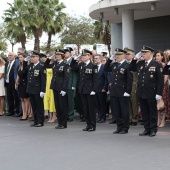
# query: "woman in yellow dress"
{"points": [[49, 104]]}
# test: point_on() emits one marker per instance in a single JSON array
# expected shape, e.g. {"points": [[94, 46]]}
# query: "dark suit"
{"points": [[87, 84], [59, 83], [12, 96], [102, 84], [150, 83], [121, 83], [36, 83]]}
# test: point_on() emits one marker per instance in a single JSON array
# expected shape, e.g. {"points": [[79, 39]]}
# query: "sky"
{"points": [[78, 7]]}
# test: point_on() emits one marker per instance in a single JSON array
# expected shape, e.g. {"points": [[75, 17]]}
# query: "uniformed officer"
{"points": [[120, 89], [36, 86], [59, 84], [149, 88], [87, 88], [71, 84], [133, 104]]}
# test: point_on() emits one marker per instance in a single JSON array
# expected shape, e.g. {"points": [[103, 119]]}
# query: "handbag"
{"points": [[160, 104]]}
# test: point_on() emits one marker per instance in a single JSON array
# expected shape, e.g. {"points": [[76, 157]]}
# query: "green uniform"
{"points": [[70, 92]]}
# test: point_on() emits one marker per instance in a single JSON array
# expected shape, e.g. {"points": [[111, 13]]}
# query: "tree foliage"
{"points": [[77, 31]]}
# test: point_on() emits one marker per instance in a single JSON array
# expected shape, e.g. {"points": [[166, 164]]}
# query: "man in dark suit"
{"points": [[36, 86], [149, 88], [120, 90], [87, 88], [101, 89], [12, 97], [71, 84]]}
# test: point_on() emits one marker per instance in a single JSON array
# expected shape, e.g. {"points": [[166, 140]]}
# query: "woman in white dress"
{"points": [[2, 87]]}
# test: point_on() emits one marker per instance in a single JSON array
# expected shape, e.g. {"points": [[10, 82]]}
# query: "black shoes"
{"points": [[32, 125], [152, 134], [117, 131], [91, 129], [60, 127], [36, 125], [39, 125], [9, 114], [86, 128], [145, 133], [123, 132]]}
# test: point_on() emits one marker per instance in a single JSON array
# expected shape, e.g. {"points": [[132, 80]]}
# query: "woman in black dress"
{"points": [[21, 85]]}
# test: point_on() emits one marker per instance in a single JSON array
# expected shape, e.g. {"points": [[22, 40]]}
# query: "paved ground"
{"points": [[29, 148]]}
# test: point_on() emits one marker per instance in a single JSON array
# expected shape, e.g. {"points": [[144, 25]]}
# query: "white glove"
{"points": [[168, 63], [52, 57], [158, 97], [126, 95], [76, 58], [113, 57], [73, 88], [138, 55], [63, 93], [92, 93], [42, 94], [27, 58]]}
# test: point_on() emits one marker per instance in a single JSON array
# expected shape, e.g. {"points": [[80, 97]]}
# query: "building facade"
{"points": [[135, 23]]}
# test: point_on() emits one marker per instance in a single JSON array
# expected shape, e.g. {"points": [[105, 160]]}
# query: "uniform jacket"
{"points": [[36, 79], [150, 79], [87, 76], [72, 76], [121, 78], [102, 82], [60, 77]]}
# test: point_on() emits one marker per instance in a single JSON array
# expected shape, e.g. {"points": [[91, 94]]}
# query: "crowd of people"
{"points": [[131, 87]]}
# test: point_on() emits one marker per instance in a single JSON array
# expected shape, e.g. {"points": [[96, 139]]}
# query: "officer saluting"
{"points": [[149, 88], [120, 89], [59, 84], [36, 86], [87, 87]]}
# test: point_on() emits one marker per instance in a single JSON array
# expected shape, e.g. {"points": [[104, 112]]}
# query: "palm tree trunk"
{"points": [[49, 43], [23, 41], [37, 43], [12, 47]]}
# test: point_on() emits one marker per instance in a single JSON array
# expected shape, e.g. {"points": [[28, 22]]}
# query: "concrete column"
{"points": [[128, 28], [116, 36]]}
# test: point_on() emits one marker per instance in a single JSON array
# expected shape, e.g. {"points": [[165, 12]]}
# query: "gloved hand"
{"points": [[42, 94], [76, 58], [126, 95], [158, 97], [27, 58], [168, 63], [73, 88], [138, 55], [63, 93], [92, 93], [113, 57], [52, 57]]}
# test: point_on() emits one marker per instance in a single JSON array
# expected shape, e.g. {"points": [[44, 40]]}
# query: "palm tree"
{"points": [[15, 22], [42, 18]]}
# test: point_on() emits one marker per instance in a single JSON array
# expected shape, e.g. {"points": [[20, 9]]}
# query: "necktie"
{"points": [[8, 69], [146, 64], [118, 65], [84, 65]]}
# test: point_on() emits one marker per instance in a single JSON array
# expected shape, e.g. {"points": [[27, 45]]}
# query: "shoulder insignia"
{"points": [[161, 69], [95, 70]]}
